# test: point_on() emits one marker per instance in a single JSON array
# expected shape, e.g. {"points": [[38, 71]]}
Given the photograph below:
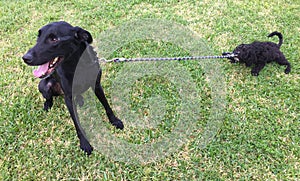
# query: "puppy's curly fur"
{"points": [[259, 54]]}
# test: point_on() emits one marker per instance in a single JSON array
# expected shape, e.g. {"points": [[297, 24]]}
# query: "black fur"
{"points": [[258, 54], [64, 44]]}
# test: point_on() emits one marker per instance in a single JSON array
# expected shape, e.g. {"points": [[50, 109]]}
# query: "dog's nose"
{"points": [[27, 58]]}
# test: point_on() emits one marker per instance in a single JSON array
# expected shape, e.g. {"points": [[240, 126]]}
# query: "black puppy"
{"points": [[68, 65], [259, 54]]}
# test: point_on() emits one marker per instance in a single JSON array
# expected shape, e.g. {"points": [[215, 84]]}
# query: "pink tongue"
{"points": [[42, 69]]}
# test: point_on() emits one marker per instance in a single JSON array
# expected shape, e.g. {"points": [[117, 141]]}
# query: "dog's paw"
{"points": [[287, 71], [117, 123], [254, 73], [48, 105], [86, 146]]}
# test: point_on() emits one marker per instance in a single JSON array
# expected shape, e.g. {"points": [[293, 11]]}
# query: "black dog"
{"points": [[58, 52], [259, 54]]}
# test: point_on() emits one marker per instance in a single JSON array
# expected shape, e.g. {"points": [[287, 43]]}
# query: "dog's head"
{"points": [[241, 51], [56, 42]]}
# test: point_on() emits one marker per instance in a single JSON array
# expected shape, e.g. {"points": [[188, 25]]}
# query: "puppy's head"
{"points": [[241, 52], [56, 42]]}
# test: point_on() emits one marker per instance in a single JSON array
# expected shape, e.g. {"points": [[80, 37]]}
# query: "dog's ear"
{"points": [[83, 35]]}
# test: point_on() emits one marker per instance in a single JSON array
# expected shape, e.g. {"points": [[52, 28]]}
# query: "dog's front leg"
{"points": [[84, 143], [111, 116], [109, 112], [258, 67], [45, 89]]}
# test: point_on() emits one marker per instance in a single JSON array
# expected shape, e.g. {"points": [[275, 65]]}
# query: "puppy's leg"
{"points": [[248, 64], [257, 68], [283, 61], [84, 143], [101, 96]]}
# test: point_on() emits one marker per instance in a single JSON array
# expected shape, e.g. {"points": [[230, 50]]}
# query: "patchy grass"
{"points": [[258, 139]]}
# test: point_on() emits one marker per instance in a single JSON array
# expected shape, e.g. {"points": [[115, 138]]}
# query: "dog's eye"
{"points": [[53, 38]]}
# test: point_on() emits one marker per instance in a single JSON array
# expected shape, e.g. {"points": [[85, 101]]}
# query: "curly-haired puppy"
{"points": [[259, 54]]}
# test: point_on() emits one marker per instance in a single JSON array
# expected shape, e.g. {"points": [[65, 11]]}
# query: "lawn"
{"points": [[193, 120]]}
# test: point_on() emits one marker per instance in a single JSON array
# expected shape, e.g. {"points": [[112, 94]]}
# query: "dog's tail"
{"points": [[279, 36]]}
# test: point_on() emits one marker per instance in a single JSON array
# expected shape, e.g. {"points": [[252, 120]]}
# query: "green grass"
{"points": [[259, 136]]}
